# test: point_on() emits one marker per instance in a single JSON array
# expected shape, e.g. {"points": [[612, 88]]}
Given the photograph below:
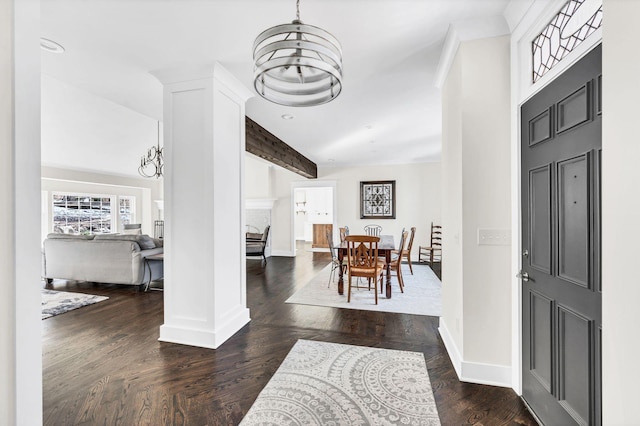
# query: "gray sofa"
{"points": [[109, 258]]}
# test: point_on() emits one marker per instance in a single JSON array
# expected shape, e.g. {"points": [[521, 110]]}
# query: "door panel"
{"points": [[561, 301], [542, 363], [573, 224], [541, 127], [574, 109], [575, 346], [540, 211]]}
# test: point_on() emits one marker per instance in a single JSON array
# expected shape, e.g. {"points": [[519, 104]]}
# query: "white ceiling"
{"points": [[388, 112]]}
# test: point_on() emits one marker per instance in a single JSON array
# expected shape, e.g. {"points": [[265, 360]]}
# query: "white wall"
{"points": [[83, 131], [486, 199], [257, 177], [476, 170], [418, 197], [282, 216], [620, 207]]}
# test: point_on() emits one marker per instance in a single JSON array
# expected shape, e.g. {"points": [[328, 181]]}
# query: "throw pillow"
{"points": [[145, 242], [159, 242]]}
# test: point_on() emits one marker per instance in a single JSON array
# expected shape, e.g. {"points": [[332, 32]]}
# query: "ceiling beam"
{"points": [[267, 146]]}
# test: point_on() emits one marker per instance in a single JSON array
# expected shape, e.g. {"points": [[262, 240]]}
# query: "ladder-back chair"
{"points": [[433, 252]]}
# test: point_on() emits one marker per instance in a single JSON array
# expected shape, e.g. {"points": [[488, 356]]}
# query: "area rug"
{"points": [[323, 383], [59, 302], [422, 293]]}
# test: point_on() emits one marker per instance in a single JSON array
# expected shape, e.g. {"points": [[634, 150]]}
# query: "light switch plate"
{"points": [[494, 237]]}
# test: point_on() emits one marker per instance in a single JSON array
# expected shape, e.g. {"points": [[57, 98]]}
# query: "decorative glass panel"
{"points": [[378, 199], [571, 26]]}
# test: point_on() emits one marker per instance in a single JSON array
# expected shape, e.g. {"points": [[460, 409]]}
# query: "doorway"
{"points": [[561, 144], [313, 215]]}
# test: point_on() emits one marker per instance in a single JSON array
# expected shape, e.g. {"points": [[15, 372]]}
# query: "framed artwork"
{"points": [[378, 199]]}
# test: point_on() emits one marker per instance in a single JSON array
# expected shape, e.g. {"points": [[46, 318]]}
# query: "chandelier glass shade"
{"points": [[152, 164], [297, 64]]}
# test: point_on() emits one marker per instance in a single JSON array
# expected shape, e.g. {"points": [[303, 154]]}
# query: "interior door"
{"points": [[561, 295]]}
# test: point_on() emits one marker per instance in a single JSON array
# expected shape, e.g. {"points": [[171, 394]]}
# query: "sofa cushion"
{"points": [[145, 242]]}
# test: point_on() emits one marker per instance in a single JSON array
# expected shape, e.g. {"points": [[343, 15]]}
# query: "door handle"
{"points": [[523, 275]]}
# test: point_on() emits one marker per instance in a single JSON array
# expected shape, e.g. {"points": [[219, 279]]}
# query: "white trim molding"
{"points": [[474, 372], [464, 31], [450, 346], [259, 203]]}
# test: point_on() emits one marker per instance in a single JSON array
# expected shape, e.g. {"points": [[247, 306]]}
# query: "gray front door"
{"points": [[561, 300]]}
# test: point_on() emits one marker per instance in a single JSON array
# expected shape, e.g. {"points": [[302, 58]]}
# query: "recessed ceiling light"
{"points": [[331, 160], [372, 141], [287, 117], [368, 126], [50, 46]]}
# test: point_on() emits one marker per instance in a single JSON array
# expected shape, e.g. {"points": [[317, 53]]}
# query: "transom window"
{"points": [[576, 21]]}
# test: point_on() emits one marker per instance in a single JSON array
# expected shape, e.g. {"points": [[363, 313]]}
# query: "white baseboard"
{"points": [[283, 253], [203, 338], [452, 349], [474, 372]]}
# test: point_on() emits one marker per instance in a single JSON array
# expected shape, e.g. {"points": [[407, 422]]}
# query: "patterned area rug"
{"points": [[422, 293], [59, 302], [322, 383]]}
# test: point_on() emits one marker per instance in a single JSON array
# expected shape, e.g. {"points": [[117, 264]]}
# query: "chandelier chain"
{"points": [[298, 10]]}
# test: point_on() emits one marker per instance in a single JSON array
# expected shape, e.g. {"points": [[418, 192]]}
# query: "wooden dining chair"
{"points": [[433, 252], [362, 261], [407, 252], [373, 230], [396, 260], [344, 231], [335, 261]]}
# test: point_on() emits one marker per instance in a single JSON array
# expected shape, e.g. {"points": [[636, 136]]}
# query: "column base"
{"points": [[204, 338]]}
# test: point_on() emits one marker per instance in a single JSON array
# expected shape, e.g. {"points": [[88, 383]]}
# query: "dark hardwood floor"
{"points": [[103, 364]]}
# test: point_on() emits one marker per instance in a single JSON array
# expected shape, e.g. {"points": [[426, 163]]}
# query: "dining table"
{"points": [[385, 247]]}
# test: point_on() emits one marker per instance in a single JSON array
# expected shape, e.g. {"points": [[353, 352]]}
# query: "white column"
{"points": [[620, 205], [20, 323], [204, 136]]}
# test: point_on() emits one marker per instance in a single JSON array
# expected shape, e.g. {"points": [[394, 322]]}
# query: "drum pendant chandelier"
{"points": [[297, 64]]}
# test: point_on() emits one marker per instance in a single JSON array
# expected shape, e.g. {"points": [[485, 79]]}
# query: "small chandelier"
{"points": [[152, 164], [297, 64]]}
